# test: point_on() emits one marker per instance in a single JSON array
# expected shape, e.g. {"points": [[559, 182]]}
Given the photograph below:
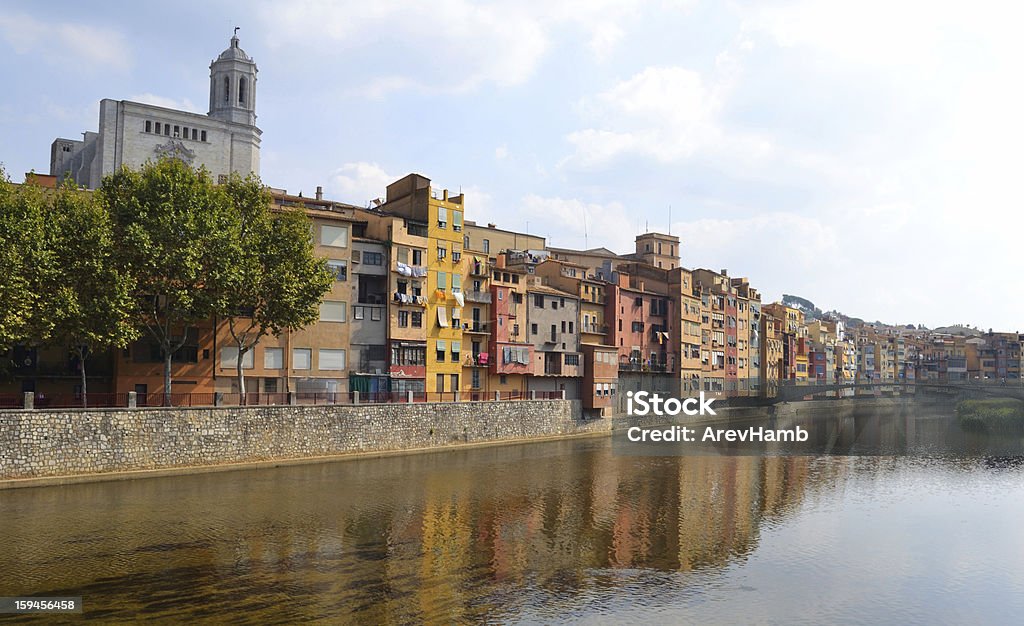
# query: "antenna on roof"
{"points": [[670, 219]]}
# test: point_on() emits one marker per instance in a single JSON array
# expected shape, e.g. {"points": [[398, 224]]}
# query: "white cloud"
{"points": [[452, 45], [360, 182], [162, 101], [501, 152], [64, 43]]}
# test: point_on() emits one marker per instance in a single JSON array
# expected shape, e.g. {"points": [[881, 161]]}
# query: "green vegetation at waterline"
{"points": [[1000, 415]]}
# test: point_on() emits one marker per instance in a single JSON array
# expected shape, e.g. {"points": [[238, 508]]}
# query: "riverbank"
{"points": [[39, 448]]}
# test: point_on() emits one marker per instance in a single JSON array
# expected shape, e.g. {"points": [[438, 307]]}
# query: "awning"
{"points": [[456, 346], [442, 345], [442, 317], [459, 298]]}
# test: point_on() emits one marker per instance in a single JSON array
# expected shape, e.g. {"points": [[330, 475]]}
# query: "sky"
{"points": [[862, 155]]}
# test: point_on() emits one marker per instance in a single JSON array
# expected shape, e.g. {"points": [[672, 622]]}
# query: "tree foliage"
{"points": [[29, 267], [177, 237], [95, 296], [277, 282]]}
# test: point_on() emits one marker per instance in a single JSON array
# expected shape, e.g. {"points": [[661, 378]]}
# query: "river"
{"points": [[542, 532]]}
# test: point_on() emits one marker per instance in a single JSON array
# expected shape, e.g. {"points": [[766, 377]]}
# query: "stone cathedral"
{"points": [[225, 140]]}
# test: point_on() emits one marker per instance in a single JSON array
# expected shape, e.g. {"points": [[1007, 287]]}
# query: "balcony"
{"points": [[483, 297], [633, 366], [476, 327], [479, 269], [595, 329], [481, 359]]}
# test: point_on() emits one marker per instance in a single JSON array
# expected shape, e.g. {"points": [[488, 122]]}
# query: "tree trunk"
{"points": [[81, 366], [240, 374], [167, 377]]}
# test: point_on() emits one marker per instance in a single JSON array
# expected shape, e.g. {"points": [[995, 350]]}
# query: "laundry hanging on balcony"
{"points": [[403, 269], [459, 298], [442, 317]]}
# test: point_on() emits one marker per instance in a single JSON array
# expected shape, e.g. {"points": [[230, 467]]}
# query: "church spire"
{"points": [[233, 85]]}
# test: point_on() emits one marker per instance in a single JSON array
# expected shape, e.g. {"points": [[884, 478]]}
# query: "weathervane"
{"points": [[236, 30]]}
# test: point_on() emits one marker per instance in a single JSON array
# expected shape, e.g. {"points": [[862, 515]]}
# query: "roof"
{"points": [[551, 291], [234, 53]]}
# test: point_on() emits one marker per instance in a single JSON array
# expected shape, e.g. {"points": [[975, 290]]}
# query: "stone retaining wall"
{"points": [[51, 443]]}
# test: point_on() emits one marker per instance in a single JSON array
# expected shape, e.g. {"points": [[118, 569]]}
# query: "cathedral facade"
{"points": [[224, 140]]}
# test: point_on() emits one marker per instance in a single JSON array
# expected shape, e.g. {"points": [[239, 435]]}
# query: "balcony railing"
{"points": [[478, 269], [632, 366], [595, 329], [483, 297], [474, 326]]}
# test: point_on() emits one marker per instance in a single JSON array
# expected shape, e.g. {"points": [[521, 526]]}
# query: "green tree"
{"points": [[28, 265], [176, 236], [277, 282], [95, 297]]}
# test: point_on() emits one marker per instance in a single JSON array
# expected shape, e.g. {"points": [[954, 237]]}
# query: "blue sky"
{"points": [[862, 155]]}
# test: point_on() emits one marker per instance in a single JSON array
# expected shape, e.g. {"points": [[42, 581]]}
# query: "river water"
{"points": [[548, 532]]}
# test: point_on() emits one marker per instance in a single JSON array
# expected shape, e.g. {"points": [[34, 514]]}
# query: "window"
{"points": [[241, 90], [227, 90], [456, 349], [457, 221], [195, 135], [570, 328], [158, 128], [184, 132], [538, 301], [229, 358], [358, 312], [149, 126], [333, 311], [456, 256], [177, 131], [442, 251], [334, 236], [501, 294], [372, 258], [203, 136], [167, 130], [487, 245], [302, 358], [455, 382], [517, 298], [273, 358], [375, 314], [563, 326], [442, 281], [331, 359], [417, 257], [554, 304], [339, 269], [456, 282], [442, 217], [440, 349], [503, 379], [417, 319], [554, 333], [572, 359], [403, 319], [533, 329], [465, 242]]}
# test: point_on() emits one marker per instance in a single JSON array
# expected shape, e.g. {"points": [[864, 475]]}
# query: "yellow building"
{"points": [[412, 197]]}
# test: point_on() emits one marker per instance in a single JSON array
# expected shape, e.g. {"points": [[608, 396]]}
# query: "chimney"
{"points": [[725, 272], [491, 226], [319, 192], [445, 195]]}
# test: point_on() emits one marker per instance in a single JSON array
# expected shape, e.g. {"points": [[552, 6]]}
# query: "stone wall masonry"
{"points": [[44, 443]]}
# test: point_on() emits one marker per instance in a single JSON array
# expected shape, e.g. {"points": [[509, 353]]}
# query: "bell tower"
{"points": [[233, 86]]}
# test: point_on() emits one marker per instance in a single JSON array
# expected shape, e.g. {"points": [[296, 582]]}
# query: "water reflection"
{"points": [[545, 531]]}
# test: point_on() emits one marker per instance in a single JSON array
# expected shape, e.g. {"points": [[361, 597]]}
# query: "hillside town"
{"points": [[428, 301]]}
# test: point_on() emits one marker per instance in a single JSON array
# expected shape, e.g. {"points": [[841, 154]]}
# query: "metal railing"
{"points": [[152, 400]]}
